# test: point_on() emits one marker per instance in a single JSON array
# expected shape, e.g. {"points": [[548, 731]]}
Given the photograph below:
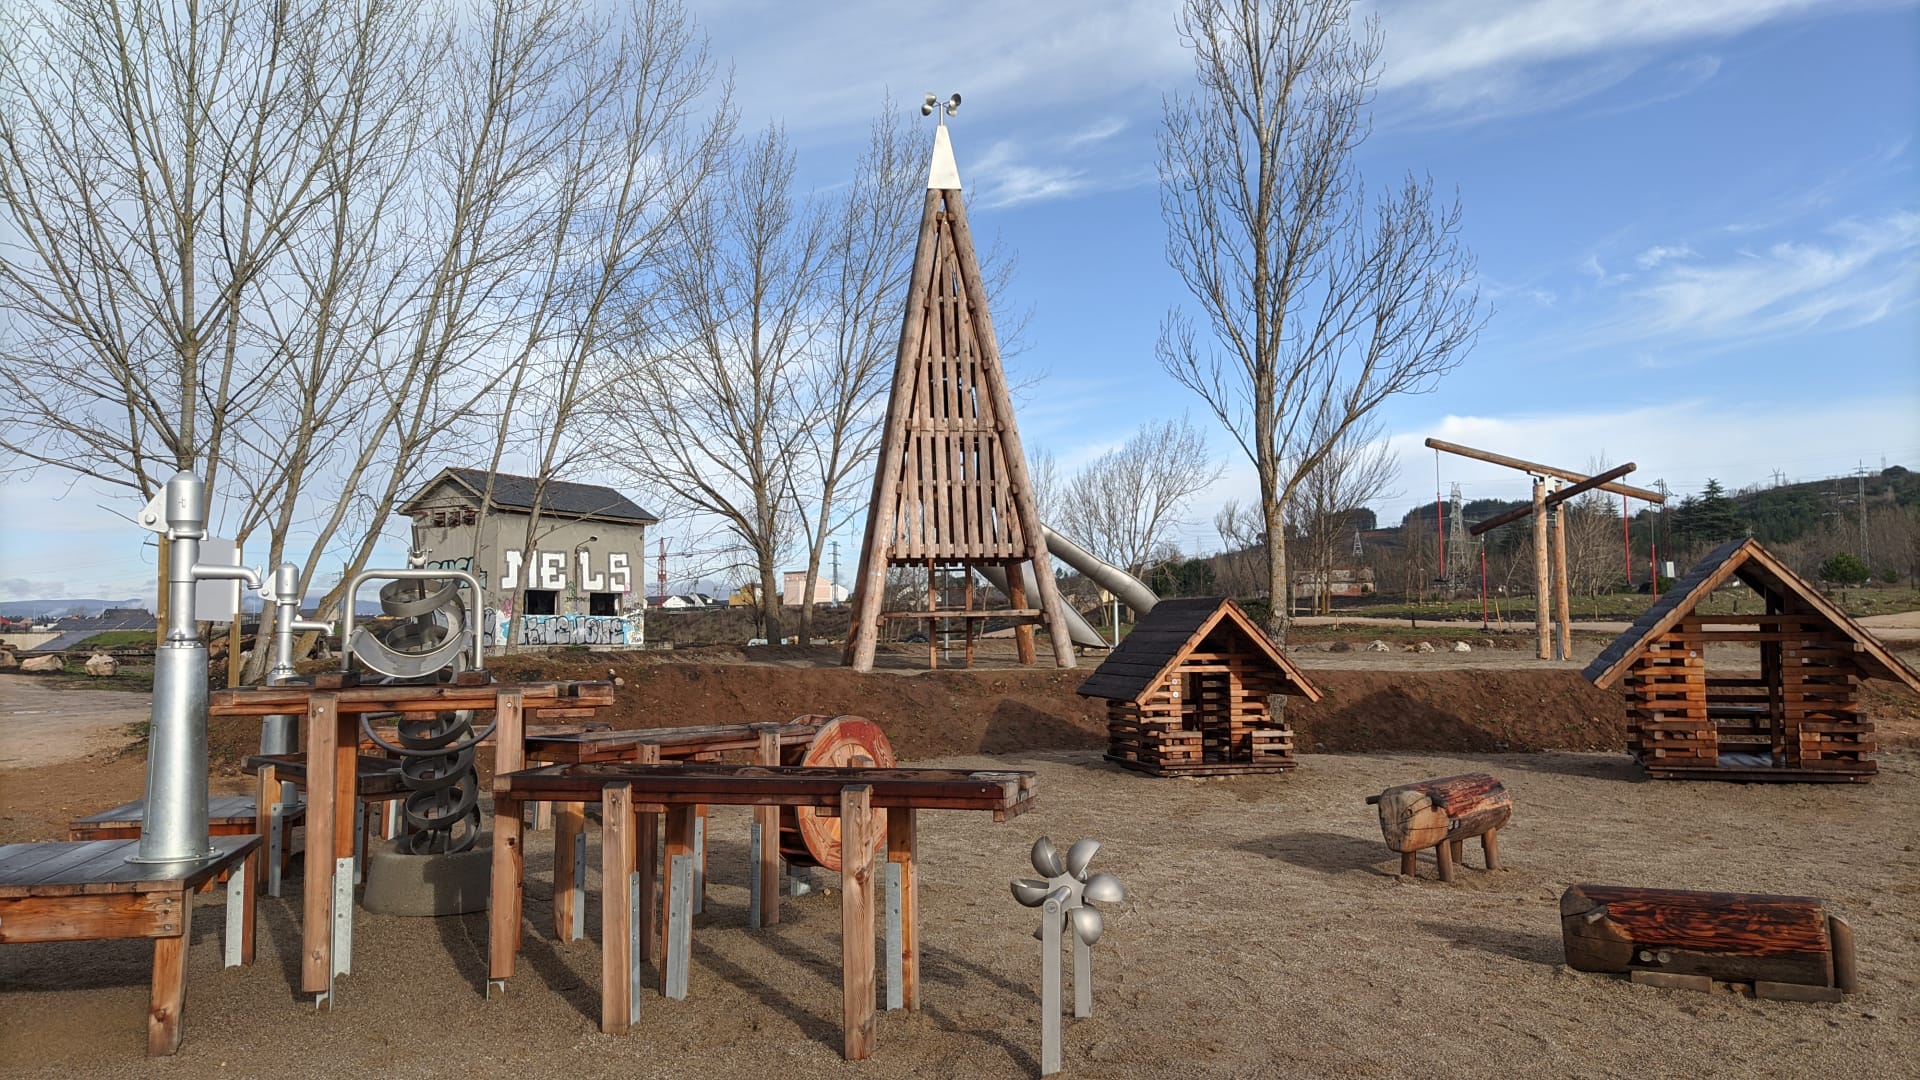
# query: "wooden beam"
{"points": [[1560, 590], [1541, 587], [1542, 470], [856, 923], [1554, 499]]}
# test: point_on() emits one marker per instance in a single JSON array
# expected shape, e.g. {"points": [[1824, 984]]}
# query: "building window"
{"points": [[603, 603], [540, 601], [468, 516]]}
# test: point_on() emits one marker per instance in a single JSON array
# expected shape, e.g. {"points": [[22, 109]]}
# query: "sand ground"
{"points": [[1264, 934]]}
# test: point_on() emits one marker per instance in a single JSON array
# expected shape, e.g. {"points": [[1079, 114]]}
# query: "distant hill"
{"points": [[54, 609]]}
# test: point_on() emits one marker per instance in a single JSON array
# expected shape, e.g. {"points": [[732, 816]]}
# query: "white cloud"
{"points": [[1659, 253], [1498, 57], [1859, 272]]}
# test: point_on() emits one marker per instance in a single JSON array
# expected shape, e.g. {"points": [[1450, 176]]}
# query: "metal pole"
{"points": [[174, 824]]}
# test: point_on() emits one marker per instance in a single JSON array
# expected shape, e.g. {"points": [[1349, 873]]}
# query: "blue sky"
{"points": [[1697, 226]]}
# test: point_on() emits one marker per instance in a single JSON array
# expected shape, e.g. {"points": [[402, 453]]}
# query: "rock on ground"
{"points": [[101, 665], [1461, 646], [43, 663]]}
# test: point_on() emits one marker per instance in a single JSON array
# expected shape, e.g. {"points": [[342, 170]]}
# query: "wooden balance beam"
{"points": [[627, 792]]}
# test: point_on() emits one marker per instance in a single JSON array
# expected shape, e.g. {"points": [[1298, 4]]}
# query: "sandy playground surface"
{"points": [[1264, 934]]}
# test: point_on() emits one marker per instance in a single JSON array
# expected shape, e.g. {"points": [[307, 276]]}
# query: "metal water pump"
{"points": [[174, 829]]}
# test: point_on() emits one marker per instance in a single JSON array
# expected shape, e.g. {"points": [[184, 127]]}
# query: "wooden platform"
{"points": [[227, 815], [88, 891], [1758, 769], [630, 794]]}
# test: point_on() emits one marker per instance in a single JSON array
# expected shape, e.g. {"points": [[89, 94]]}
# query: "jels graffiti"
{"points": [[575, 630], [548, 570]]}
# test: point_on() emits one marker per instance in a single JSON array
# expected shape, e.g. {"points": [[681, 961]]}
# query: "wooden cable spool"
{"points": [[809, 837]]}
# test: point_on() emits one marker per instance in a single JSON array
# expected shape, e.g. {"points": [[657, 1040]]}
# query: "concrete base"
{"points": [[426, 885]]}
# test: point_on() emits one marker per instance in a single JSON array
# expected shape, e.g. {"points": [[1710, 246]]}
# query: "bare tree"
{"points": [[707, 410], [1318, 301], [1357, 469], [869, 248], [1123, 504]]}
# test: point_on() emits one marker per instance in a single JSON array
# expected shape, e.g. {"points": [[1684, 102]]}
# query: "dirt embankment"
{"points": [[1004, 711]]}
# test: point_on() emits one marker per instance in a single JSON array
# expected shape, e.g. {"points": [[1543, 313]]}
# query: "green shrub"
{"points": [[1844, 568]]}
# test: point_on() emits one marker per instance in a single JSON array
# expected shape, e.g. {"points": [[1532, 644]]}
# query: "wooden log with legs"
{"points": [[1443, 814], [1788, 947]]}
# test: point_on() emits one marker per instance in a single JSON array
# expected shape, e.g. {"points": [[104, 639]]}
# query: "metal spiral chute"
{"points": [[430, 636]]}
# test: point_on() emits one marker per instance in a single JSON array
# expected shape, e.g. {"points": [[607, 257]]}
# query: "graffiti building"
{"points": [[576, 584]]}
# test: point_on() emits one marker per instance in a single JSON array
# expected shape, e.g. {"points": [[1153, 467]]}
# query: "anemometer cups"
{"points": [[951, 105]]}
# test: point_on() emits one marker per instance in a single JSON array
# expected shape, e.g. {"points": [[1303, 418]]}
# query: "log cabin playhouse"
{"points": [[1187, 692], [1796, 720]]}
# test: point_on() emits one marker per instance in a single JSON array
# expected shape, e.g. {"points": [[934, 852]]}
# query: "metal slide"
{"points": [[1128, 588]]}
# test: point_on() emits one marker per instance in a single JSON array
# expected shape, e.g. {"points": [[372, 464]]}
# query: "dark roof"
{"points": [[561, 498], [1168, 633], [1757, 567]]}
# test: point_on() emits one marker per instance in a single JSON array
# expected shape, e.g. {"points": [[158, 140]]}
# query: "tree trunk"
{"points": [[770, 600]]}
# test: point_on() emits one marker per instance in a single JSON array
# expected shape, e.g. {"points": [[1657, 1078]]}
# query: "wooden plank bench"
{"points": [[868, 801], [86, 890]]}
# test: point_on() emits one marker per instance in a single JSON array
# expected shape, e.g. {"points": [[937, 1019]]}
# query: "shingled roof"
{"points": [[560, 498], [1757, 567], [1166, 635]]}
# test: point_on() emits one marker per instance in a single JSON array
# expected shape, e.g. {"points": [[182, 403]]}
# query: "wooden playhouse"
{"points": [[1187, 693], [1795, 720]]}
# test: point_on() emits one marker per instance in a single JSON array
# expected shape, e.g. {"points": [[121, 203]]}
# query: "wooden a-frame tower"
{"points": [[951, 490]]}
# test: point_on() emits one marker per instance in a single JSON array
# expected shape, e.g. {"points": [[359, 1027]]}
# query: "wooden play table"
{"points": [[87, 891], [627, 792], [332, 716], [766, 741]]}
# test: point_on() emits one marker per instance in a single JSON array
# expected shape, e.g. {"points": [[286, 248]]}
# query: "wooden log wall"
{"points": [[1208, 715], [1799, 713]]}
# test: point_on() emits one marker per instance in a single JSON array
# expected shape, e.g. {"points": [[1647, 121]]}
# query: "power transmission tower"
{"points": [[1459, 568], [834, 547]]}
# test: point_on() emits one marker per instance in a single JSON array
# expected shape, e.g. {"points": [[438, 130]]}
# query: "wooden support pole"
{"points": [[1017, 596], [1560, 590], [509, 854], [768, 818], [569, 824], [902, 853], [647, 860], [1542, 588], [169, 997], [856, 921], [316, 912], [1554, 499], [676, 944], [617, 909]]}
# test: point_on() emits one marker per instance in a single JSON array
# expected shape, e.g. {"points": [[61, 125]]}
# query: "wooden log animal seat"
{"points": [[1443, 814], [1788, 947]]}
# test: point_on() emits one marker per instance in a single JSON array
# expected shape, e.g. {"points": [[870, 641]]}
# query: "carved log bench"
{"points": [[1788, 947], [1443, 814]]}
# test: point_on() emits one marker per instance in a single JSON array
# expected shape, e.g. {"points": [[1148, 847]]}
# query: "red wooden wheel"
{"points": [[808, 837]]}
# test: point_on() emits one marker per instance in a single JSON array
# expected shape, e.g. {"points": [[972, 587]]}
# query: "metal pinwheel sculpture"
{"points": [[1063, 898]]}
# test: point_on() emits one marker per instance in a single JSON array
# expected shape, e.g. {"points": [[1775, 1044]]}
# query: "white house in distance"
{"points": [[823, 591], [588, 550]]}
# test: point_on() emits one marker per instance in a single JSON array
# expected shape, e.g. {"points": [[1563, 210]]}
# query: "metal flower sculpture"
{"points": [[1063, 898]]}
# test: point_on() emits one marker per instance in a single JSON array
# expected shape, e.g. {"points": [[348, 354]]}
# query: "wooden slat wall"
{"points": [[955, 497], [1800, 712]]}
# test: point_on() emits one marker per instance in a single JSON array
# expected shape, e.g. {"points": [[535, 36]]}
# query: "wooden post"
{"points": [[646, 860], [1443, 854], [675, 944], [1542, 588], [169, 995], [1561, 606], [616, 908], [316, 914], [1017, 597], [856, 921], [569, 822], [902, 852], [509, 855], [768, 818]]}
